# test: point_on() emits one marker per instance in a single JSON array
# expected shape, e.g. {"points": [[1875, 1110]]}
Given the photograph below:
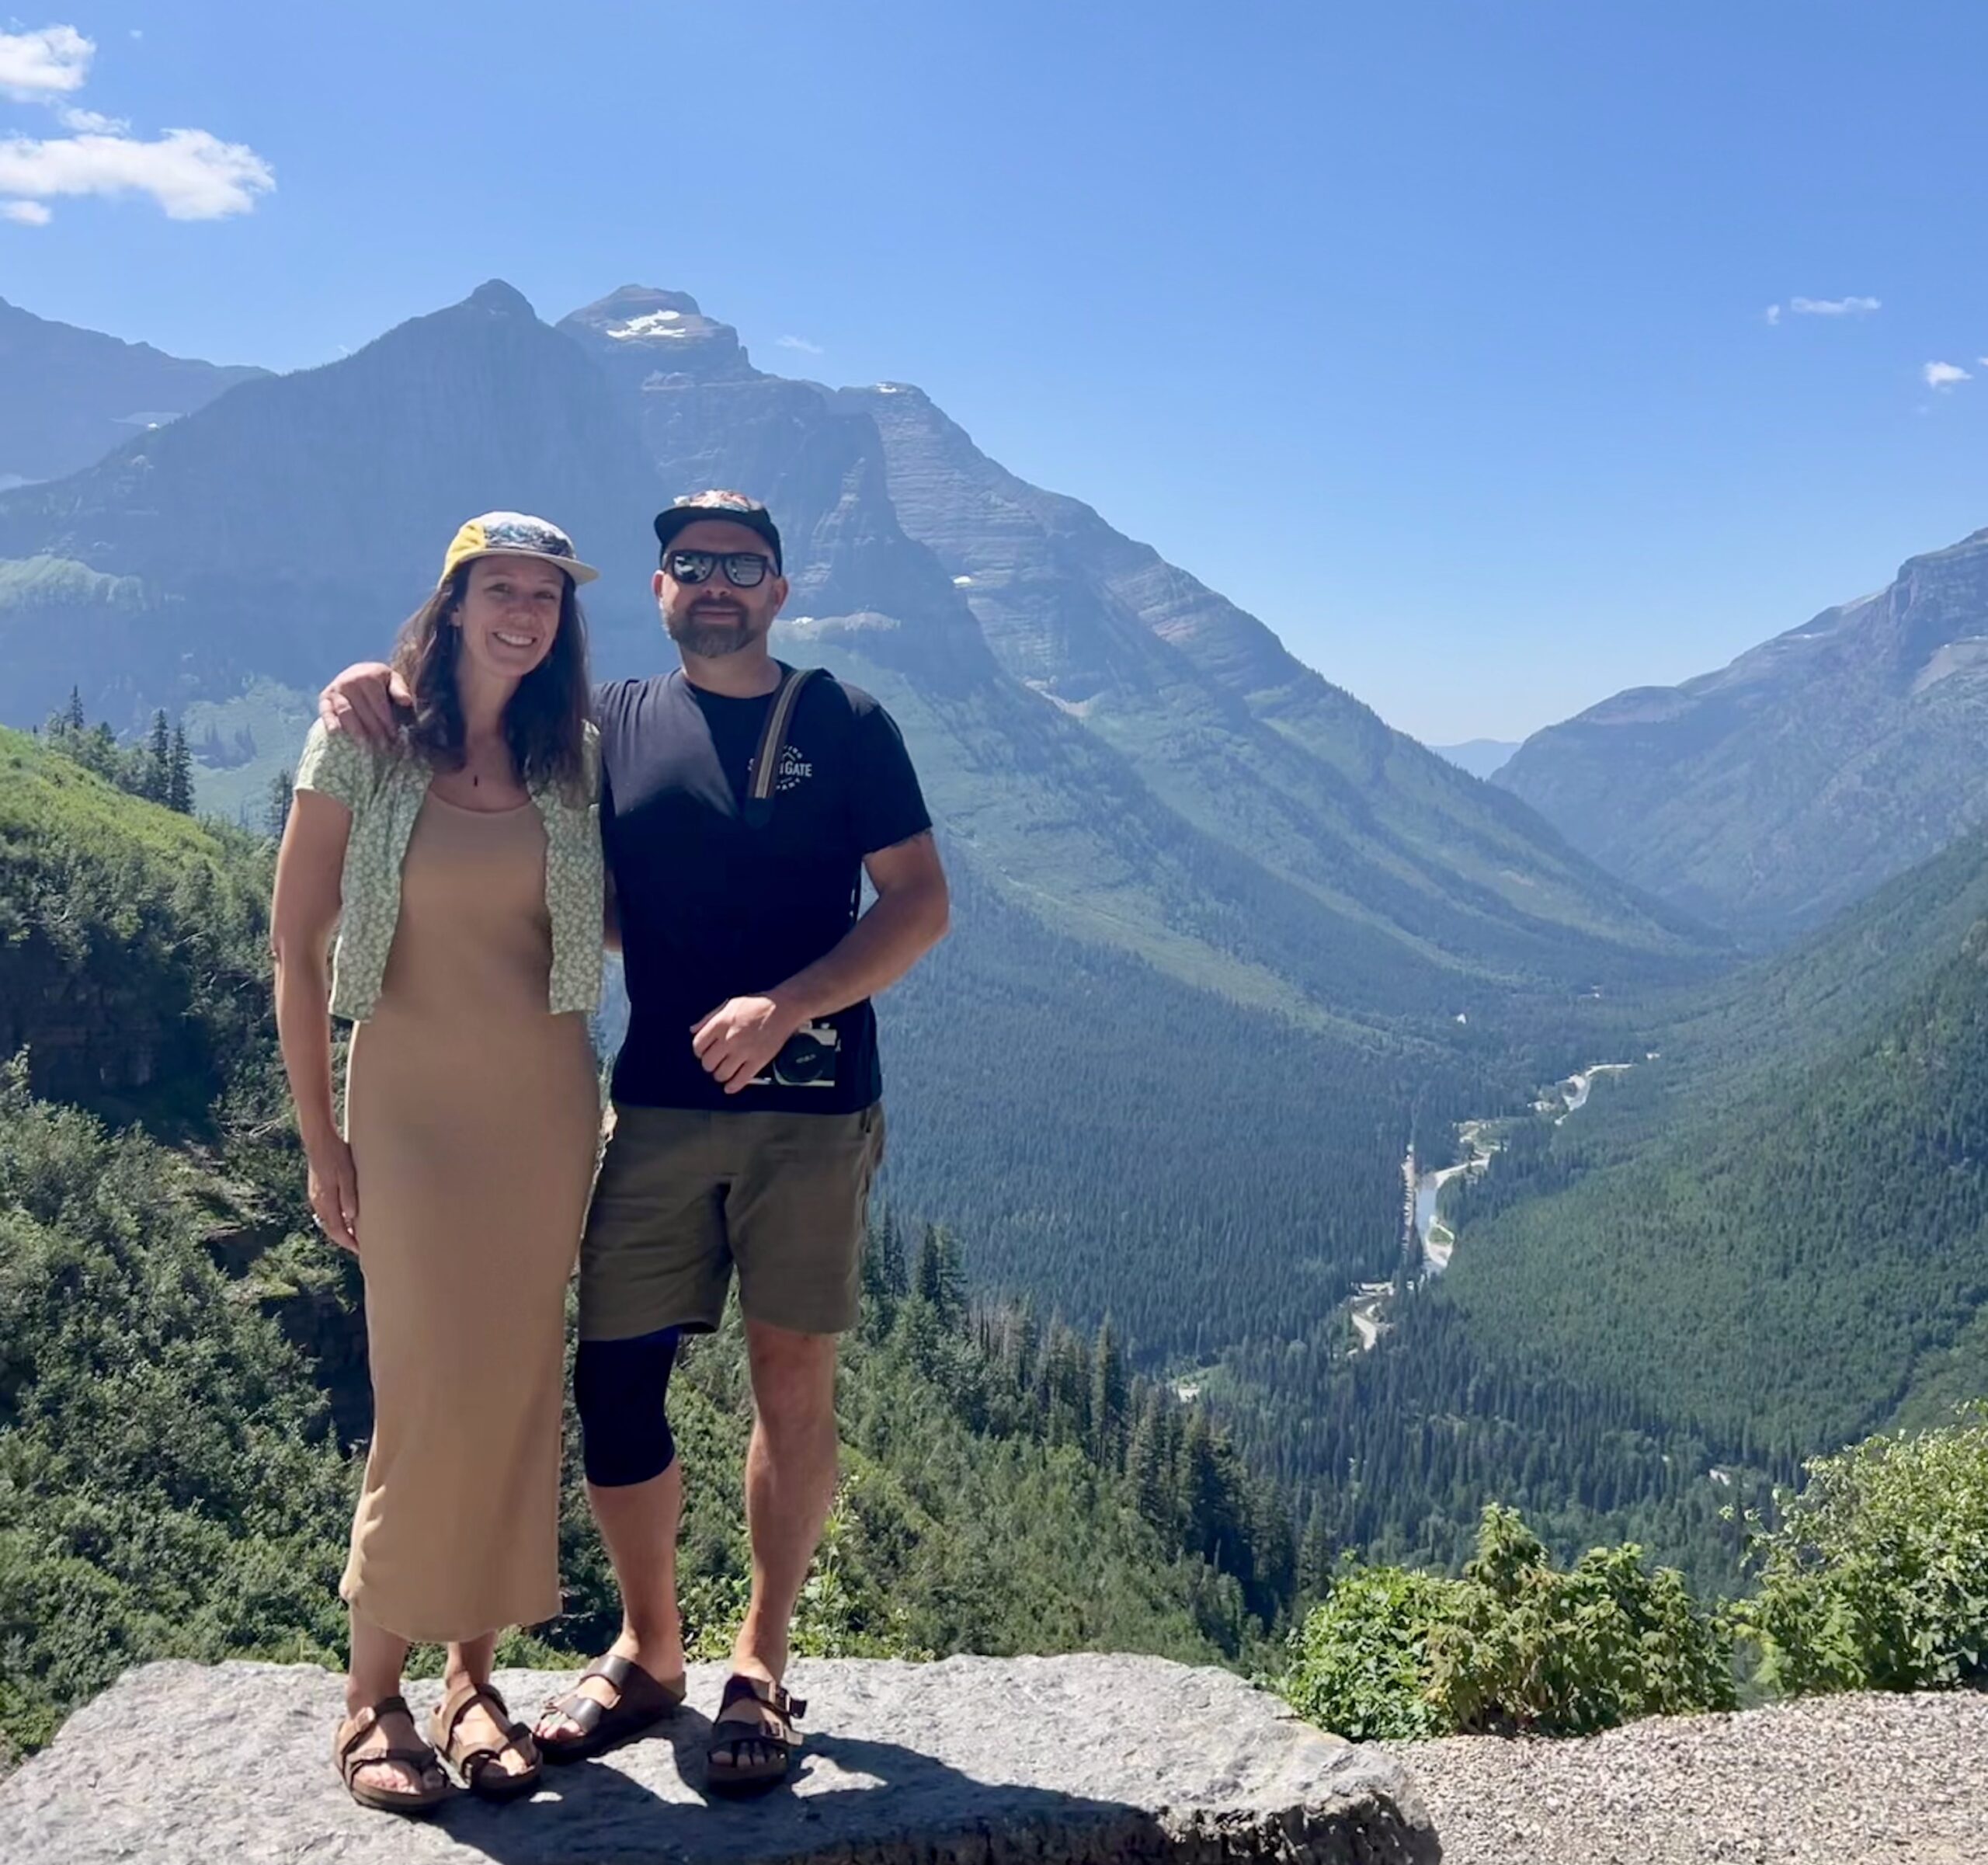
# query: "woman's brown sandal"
{"points": [[476, 1763], [738, 1776], [640, 1701], [419, 1757]]}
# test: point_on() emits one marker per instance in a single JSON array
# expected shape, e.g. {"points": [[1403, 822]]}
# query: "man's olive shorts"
{"points": [[685, 1195]]}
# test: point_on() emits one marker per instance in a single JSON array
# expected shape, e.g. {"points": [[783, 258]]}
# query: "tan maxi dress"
{"points": [[472, 1113]]}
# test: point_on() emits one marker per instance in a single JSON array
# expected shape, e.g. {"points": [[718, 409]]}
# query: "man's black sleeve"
{"points": [[886, 805], [606, 705]]}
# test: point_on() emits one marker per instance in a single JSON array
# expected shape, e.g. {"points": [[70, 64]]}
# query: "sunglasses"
{"points": [[743, 569]]}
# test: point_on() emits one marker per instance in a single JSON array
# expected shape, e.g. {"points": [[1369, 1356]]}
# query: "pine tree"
{"points": [[893, 1278], [1145, 1462], [1108, 1398], [1069, 1386], [1315, 1560], [72, 714], [940, 1276], [156, 772], [179, 773], [277, 817]]}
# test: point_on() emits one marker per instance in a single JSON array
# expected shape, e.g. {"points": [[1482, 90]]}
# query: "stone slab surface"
{"points": [[972, 1761]]}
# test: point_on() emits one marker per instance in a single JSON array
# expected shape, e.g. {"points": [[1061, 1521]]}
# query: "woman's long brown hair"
{"points": [[545, 723]]}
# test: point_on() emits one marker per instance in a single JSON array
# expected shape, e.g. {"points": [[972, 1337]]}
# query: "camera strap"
{"points": [[772, 746]]}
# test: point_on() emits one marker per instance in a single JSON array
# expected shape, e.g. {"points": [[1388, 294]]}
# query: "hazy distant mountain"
{"points": [[1767, 796], [1480, 756], [72, 395]]}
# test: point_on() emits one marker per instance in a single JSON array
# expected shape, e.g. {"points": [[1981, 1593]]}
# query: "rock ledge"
{"points": [[972, 1761]]}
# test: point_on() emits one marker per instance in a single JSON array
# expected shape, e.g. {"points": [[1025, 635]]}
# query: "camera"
{"points": [[806, 1059]]}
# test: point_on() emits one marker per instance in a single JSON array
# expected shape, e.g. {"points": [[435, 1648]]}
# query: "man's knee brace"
{"points": [[622, 1391]]}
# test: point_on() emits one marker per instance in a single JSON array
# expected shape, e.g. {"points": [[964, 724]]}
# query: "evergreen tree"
{"points": [[1108, 1398], [72, 714], [893, 1282], [155, 773], [1145, 1462], [940, 1277], [179, 773], [1315, 1559], [277, 817]]}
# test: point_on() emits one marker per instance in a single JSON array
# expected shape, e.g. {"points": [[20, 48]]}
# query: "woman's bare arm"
{"points": [[304, 916]]}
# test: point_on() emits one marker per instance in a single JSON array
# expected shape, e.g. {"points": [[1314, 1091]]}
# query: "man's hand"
{"points": [[738, 1039], [361, 702]]}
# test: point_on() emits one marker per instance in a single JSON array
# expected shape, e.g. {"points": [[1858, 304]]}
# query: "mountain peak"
{"points": [[493, 295], [660, 330]]}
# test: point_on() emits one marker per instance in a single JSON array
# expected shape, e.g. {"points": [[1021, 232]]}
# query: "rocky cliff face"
{"points": [[1253, 747], [973, 1761], [72, 395], [1769, 795], [705, 417]]}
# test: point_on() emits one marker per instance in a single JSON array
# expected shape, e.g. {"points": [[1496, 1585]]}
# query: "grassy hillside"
{"points": [[131, 943]]}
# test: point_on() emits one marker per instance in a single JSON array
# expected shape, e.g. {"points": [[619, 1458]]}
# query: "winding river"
{"points": [[1434, 1241]]}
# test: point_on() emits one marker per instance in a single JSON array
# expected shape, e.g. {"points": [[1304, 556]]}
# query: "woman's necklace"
{"points": [[485, 754]]}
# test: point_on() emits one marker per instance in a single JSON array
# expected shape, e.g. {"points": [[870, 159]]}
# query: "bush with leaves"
{"points": [[1362, 1667], [1877, 1577], [1516, 1644], [1555, 1653]]}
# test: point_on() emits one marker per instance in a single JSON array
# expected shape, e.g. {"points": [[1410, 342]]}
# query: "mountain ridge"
{"points": [[71, 393], [1768, 794]]}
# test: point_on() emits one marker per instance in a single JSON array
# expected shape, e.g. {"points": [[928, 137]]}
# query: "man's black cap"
{"points": [[734, 508]]}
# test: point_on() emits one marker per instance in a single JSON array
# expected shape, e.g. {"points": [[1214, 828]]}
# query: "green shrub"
{"points": [[1565, 1653], [1877, 1577], [1363, 1667], [1515, 1644]]}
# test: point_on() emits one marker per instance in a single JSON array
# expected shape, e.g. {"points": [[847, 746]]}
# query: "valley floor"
{"points": [[1849, 1780]]}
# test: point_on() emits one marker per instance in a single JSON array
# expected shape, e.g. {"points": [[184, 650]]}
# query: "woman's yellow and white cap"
{"points": [[514, 534]]}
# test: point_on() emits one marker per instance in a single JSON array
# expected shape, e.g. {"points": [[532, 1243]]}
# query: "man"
{"points": [[741, 804]]}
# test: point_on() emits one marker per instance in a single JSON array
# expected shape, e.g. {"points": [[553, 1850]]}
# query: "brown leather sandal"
{"points": [[640, 1701], [738, 1778], [421, 1759], [476, 1765]]}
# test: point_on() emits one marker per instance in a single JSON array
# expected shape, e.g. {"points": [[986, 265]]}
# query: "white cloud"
{"points": [[93, 122], [1943, 375], [800, 344], [1772, 314], [49, 63], [1834, 307], [192, 175]]}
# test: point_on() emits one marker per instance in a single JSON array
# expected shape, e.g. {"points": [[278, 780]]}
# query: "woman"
{"points": [[462, 871]]}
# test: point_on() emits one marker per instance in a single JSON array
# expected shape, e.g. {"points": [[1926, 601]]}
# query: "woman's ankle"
{"points": [[361, 1694]]}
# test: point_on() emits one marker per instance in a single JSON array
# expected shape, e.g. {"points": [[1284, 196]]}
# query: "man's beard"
{"points": [[711, 640]]}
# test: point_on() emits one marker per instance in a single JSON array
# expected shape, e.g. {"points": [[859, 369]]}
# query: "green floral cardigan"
{"points": [[384, 791]]}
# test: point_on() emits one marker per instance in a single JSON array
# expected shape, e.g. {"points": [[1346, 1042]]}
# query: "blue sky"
{"points": [[1437, 336]]}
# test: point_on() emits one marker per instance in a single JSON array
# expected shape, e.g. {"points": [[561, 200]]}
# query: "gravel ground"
{"points": [[1842, 1779]]}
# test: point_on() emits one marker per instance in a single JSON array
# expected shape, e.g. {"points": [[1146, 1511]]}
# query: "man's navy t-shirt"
{"points": [[712, 907]]}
